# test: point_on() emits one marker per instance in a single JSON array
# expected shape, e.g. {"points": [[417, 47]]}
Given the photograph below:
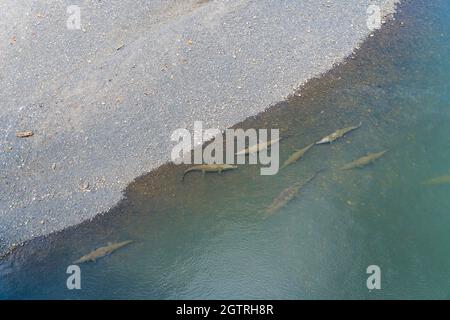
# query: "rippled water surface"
{"points": [[207, 237]]}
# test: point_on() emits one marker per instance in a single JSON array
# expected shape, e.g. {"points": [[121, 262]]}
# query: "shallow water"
{"points": [[207, 237]]}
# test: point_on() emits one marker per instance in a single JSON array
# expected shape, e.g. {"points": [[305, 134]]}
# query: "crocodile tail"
{"points": [[81, 260], [307, 147]]}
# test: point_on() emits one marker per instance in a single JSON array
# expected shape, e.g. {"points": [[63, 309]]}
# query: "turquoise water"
{"points": [[207, 237]]}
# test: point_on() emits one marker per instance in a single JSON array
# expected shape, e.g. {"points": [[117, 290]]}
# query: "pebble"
{"points": [[24, 134], [85, 186]]}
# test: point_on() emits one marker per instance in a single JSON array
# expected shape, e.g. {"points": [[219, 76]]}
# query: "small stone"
{"points": [[85, 186], [24, 134]]}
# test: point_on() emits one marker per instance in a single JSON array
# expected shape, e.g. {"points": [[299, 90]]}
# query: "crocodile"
{"points": [[288, 194], [102, 251], [338, 134], [210, 168], [297, 155], [363, 161], [258, 147], [438, 180]]}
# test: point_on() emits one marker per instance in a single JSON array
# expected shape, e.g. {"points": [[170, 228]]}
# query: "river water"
{"points": [[207, 238]]}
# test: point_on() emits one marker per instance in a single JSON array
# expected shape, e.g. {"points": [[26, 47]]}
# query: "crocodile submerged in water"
{"points": [[338, 134], [437, 181], [296, 156], [103, 251], [209, 168], [288, 194], [258, 147], [363, 161]]}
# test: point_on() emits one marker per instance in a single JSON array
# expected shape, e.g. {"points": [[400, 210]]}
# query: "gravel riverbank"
{"points": [[103, 101]]}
